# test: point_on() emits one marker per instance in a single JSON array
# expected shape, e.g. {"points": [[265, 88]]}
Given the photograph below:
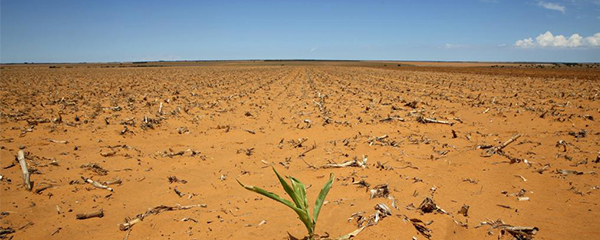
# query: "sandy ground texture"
{"points": [[452, 154]]}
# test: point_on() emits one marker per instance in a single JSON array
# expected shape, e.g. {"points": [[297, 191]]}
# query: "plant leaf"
{"points": [[289, 190], [305, 218], [303, 215], [300, 191], [270, 195], [321, 198]]}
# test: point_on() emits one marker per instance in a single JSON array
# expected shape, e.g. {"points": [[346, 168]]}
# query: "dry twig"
{"points": [[98, 214], [153, 211], [23, 163], [96, 184]]}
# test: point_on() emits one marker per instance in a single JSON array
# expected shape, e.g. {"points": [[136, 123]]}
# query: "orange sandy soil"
{"points": [[240, 119]]}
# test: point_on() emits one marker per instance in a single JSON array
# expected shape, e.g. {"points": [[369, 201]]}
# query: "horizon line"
{"points": [[285, 60]]}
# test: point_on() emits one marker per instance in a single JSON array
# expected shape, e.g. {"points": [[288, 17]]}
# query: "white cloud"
{"points": [[548, 40], [552, 6], [525, 43], [455, 46], [593, 40]]}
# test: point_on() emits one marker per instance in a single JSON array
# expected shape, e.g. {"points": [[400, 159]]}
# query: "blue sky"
{"points": [[476, 30]]}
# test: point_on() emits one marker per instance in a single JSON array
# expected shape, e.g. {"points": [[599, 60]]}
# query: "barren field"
{"points": [[454, 154]]}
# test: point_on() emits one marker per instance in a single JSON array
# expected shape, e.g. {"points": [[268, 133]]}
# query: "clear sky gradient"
{"points": [[469, 30]]}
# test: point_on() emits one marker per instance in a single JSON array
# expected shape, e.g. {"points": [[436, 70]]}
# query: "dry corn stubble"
{"points": [[70, 122]]}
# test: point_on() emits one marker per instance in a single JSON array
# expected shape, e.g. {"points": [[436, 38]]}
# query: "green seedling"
{"points": [[300, 202]]}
